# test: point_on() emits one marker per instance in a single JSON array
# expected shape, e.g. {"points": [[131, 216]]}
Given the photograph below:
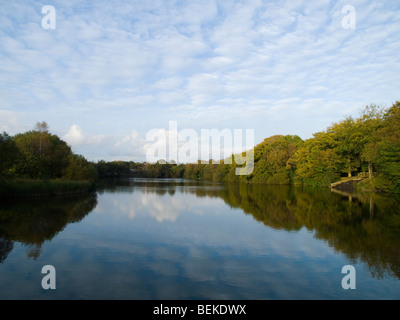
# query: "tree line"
{"points": [[368, 144], [40, 155], [365, 145]]}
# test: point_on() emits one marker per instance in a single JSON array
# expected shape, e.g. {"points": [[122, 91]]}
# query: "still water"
{"points": [[179, 239]]}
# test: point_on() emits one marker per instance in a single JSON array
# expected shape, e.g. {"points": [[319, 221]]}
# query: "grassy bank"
{"points": [[379, 184], [18, 188]]}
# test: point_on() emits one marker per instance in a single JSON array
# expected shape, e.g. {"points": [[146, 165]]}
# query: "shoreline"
{"points": [[26, 188]]}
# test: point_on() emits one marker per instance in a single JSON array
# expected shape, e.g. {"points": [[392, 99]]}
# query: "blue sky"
{"points": [[111, 71]]}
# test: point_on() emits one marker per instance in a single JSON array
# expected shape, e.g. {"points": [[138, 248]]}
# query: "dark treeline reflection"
{"points": [[32, 222], [364, 227]]}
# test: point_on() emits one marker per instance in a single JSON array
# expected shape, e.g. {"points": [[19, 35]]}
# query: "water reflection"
{"points": [[146, 239], [5, 248], [364, 227], [32, 222]]}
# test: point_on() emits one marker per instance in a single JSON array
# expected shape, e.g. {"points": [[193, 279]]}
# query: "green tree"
{"points": [[388, 159], [271, 158], [356, 140], [177, 170], [43, 129], [349, 144], [109, 169], [316, 161], [80, 169], [30, 163], [8, 155], [42, 155], [370, 121]]}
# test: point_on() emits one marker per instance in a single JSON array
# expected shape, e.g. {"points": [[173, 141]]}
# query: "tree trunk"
{"points": [[349, 168], [370, 170]]}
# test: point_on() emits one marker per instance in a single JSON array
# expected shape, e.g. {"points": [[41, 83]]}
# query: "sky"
{"points": [[104, 74]]}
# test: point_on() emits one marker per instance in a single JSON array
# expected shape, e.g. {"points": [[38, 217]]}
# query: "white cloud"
{"points": [[75, 136], [112, 67], [81, 140]]}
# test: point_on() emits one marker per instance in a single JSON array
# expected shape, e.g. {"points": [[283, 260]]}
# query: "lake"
{"points": [[180, 239]]}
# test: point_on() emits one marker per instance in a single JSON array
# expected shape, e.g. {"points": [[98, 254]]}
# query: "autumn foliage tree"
{"points": [[38, 154], [368, 143], [316, 161], [43, 155], [387, 149]]}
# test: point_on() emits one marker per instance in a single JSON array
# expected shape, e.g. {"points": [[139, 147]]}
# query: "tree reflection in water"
{"points": [[34, 221], [364, 227]]}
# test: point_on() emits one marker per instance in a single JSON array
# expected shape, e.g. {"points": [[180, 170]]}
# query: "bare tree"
{"points": [[42, 128]]}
